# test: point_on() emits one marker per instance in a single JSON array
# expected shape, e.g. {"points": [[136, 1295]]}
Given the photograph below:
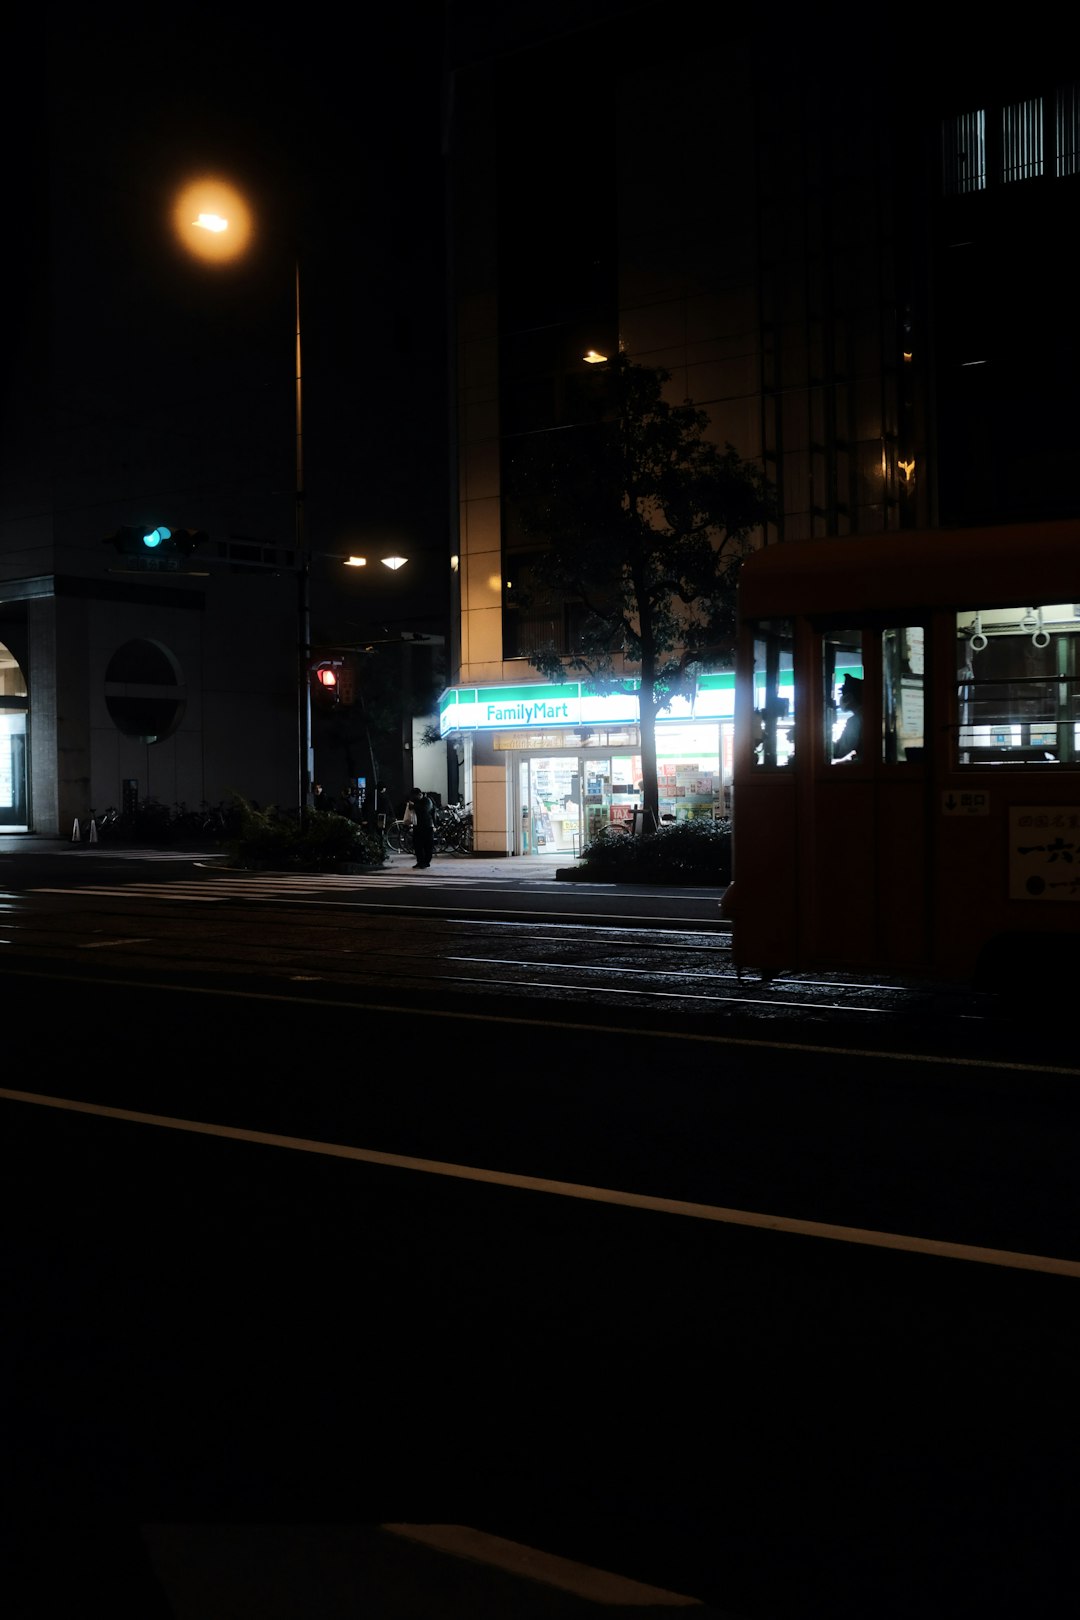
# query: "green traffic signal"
{"points": [[151, 541]]}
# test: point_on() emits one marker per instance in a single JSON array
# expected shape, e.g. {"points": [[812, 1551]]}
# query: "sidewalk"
{"points": [[520, 868], [524, 868]]}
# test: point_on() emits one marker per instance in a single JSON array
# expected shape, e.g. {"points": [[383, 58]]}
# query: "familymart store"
{"points": [[545, 767]]}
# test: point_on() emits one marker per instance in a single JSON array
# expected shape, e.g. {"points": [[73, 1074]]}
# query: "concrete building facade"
{"points": [[774, 219]]}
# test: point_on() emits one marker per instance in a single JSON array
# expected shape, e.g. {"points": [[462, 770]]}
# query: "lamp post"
{"points": [[303, 578], [211, 219]]}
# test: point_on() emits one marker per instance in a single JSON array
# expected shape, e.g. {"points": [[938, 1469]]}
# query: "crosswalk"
{"points": [[272, 886], [95, 854]]}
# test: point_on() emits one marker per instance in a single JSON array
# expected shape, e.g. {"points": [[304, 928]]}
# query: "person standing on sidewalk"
{"points": [[423, 828]]}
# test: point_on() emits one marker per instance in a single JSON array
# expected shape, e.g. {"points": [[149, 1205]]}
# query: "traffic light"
{"points": [[157, 544], [326, 681], [185, 541], [346, 683]]}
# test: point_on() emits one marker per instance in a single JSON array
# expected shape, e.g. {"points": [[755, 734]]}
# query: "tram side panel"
{"points": [[1008, 877], [867, 903], [1004, 836], [838, 902], [763, 901]]}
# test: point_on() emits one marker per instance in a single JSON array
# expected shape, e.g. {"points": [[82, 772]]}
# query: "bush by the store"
{"points": [[684, 852], [319, 841]]}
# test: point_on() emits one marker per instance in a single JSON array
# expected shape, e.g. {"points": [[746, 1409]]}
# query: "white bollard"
{"points": [[93, 832], [76, 835]]}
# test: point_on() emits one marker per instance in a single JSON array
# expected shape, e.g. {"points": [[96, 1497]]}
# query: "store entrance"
{"points": [[563, 800], [548, 811]]}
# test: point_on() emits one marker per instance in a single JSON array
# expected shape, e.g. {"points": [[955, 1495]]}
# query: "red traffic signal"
{"points": [[326, 678]]}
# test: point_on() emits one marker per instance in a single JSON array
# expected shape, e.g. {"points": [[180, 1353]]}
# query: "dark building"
{"points": [[846, 242], [146, 386]]}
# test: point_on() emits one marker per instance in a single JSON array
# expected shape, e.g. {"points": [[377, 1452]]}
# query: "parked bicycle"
{"points": [[398, 835], [453, 830]]}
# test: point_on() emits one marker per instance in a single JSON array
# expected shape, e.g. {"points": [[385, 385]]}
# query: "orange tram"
{"points": [[907, 756]]}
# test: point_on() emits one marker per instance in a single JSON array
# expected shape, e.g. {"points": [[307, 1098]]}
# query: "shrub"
{"points": [[319, 840], [686, 852]]}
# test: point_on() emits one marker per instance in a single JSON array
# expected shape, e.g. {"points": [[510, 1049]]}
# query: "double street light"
{"points": [[212, 221]]}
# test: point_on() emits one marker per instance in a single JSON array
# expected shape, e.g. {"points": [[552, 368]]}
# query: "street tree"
{"points": [[640, 522]]}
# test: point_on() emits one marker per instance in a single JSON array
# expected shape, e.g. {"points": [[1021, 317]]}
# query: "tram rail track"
{"points": [[602, 964]]}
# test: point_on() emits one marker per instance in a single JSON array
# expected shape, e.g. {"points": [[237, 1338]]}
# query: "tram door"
{"points": [[864, 891]]}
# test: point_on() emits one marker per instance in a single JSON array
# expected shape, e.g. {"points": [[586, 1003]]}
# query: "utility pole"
{"points": [[303, 579]]}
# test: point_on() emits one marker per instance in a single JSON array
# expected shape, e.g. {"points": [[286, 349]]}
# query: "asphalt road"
{"points": [[784, 1323]]}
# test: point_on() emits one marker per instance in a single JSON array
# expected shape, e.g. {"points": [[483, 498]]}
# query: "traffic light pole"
{"points": [[303, 581]]}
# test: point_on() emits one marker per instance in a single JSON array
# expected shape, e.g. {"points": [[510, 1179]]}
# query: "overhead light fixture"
{"points": [[593, 357], [356, 562], [394, 562]]}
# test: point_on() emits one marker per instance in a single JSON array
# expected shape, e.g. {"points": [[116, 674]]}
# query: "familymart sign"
{"points": [[496, 708]]}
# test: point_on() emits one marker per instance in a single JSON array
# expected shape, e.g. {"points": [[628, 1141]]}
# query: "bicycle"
{"points": [[453, 830], [398, 836]]}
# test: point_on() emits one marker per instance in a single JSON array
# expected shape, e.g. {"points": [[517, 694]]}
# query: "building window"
{"points": [[1022, 140], [1067, 130], [964, 152], [1032, 143]]}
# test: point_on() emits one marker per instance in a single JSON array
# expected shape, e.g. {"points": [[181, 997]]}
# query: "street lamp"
{"points": [[212, 220]]}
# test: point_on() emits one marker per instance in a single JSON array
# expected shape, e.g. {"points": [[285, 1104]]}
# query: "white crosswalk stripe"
{"points": [[266, 886], [96, 853]]}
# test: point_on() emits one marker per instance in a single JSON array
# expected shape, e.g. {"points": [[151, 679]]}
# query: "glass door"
{"points": [[13, 770], [596, 775], [548, 809]]}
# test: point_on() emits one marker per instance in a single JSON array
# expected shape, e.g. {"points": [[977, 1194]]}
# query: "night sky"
{"points": [[159, 371]]}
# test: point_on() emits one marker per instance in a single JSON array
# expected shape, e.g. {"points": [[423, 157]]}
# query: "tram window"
{"points": [[902, 673], [842, 674], [1018, 685], [774, 693]]}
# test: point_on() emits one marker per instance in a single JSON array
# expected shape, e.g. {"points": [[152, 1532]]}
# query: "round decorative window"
{"points": [[144, 691]]}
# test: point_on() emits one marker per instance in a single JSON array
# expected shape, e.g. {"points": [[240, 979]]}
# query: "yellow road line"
{"points": [[863, 1236]]}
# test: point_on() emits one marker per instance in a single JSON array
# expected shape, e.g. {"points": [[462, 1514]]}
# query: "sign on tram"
{"points": [[1044, 852], [955, 803]]}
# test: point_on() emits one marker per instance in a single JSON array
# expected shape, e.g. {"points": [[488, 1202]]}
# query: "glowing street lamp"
{"points": [[211, 220]]}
